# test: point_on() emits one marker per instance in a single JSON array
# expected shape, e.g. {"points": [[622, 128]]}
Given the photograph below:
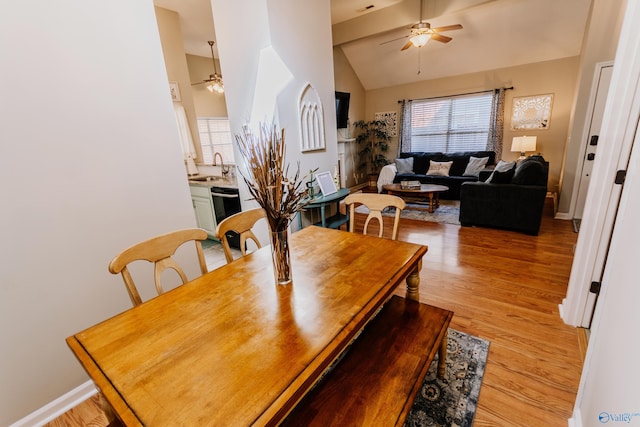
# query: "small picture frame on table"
{"points": [[325, 181]]}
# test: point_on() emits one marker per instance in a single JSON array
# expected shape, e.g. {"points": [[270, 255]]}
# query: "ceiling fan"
{"points": [[214, 82], [422, 32]]}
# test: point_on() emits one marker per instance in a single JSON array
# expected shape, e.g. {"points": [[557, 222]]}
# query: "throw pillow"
{"points": [[439, 168], [498, 177], [475, 165], [502, 166], [405, 165]]}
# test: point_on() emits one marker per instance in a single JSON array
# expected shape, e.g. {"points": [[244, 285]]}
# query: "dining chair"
{"points": [[376, 203], [158, 250], [241, 223]]}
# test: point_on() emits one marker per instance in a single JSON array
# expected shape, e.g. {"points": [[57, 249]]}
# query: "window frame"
{"points": [[455, 126], [207, 143]]}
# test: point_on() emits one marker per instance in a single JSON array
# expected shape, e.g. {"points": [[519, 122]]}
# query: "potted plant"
{"points": [[374, 138]]}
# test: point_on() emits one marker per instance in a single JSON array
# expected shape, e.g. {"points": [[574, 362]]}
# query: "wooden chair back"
{"points": [[376, 203], [241, 223], [158, 250]]}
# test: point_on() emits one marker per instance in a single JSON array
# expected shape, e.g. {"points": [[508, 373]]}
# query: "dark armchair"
{"points": [[516, 205]]}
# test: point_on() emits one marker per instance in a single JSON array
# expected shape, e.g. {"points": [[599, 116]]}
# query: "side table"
{"points": [[334, 221]]}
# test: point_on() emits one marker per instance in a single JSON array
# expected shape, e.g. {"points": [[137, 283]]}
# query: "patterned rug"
{"points": [[452, 401], [447, 213]]}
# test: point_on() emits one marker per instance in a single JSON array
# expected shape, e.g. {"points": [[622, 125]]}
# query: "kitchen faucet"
{"points": [[225, 171]]}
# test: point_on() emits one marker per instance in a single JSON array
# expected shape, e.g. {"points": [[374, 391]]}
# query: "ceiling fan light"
{"points": [[215, 84], [419, 40], [215, 81]]}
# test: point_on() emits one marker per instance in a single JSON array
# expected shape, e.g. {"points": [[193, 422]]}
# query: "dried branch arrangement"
{"points": [[267, 176]]}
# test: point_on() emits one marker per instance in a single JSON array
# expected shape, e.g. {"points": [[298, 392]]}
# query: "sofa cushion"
{"points": [[529, 171], [420, 164], [405, 165], [505, 177], [421, 160], [439, 168], [458, 165], [475, 165], [461, 160], [502, 166]]}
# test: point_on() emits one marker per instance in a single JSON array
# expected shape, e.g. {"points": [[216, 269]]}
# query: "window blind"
{"points": [[215, 136], [450, 124]]}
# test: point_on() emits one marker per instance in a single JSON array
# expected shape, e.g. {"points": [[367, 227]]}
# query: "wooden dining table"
{"points": [[233, 348]]}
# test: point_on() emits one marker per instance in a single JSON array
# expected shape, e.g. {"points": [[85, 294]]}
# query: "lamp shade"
{"points": [[523, 144]]}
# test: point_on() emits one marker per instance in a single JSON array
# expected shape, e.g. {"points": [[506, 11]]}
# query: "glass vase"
{"points": [[280, 257]]}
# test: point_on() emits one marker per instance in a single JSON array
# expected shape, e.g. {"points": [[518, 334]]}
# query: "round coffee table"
{"points": [[432, 191]]}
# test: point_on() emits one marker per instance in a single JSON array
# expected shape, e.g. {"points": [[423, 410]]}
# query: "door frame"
{"points": [[586, 132], [619, 125]]}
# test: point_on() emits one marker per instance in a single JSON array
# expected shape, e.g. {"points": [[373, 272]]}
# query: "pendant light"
{"points": [[214, 84]]}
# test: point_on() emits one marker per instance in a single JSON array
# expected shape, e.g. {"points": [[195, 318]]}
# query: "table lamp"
{"points": [[522, 144]]}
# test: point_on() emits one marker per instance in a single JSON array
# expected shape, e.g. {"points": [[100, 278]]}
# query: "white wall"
{"points": [[300, 34], [175, 62], [89, 164]]}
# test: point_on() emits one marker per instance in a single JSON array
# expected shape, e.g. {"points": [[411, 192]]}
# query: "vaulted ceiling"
{"points": [[496, 34]]}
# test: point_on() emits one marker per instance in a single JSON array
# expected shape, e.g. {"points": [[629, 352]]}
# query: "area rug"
{"points": [[447, 213], [452, 401]]}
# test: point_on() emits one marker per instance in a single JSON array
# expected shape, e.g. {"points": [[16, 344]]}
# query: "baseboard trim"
{"points": [[576, 419], [54, 409], [563, 215]]}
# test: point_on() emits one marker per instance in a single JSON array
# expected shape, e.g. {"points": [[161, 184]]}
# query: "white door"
{"points": [[601, 82]]}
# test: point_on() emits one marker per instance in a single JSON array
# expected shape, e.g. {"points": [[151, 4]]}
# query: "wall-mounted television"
{"points": [[342, 109]]}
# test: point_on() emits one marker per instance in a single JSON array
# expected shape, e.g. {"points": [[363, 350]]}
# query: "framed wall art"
{"points": [[531, 112], [390, 118]]}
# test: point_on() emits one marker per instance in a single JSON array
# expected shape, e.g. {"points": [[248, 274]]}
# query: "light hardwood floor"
{"points": [[502, 286]]}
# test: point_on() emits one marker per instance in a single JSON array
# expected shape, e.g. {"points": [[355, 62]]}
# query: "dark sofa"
{"points": [[455, 178], [517, 204]]}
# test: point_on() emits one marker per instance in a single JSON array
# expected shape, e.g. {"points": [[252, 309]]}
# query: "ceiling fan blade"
{"points": [[407, 46], [440, 38], [393, 40], [447, 28]]}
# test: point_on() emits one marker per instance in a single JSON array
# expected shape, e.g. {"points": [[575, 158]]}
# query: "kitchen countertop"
{"points": [[215, 182]]}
